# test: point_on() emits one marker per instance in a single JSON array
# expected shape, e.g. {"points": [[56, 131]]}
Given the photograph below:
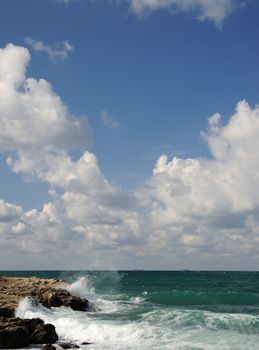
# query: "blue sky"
{"points": [[158, 75]]}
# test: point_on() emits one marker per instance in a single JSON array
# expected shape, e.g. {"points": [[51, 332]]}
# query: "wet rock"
{"points": [[44, 333], [79, 304], [49, 347], [14, 337], [6, 311], [49, 292], [29, 324], [16, 332], [68, 346], [86, 343], [32, 324], [59, 297]]}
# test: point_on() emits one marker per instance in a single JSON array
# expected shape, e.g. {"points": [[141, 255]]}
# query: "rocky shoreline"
{"points": [[18, 333]]}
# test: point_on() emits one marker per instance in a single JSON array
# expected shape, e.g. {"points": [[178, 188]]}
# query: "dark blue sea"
{"points": [[151, 310]]}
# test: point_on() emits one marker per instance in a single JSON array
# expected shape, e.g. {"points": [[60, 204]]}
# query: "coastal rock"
{"points": [[60, 297], [49, 347], [32, 324], [14, 337], [29, 324], [6, 311], [68, 346], [46, 291], [16, 332], [44, 333]]}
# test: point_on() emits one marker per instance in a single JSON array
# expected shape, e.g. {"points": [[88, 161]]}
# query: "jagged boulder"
{"points": [[44, 333], [17, 333], [14, 337], [29, 324], [59, 297]]}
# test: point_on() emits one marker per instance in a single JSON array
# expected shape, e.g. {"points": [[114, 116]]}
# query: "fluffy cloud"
{"points": [[210, 204], [93, 206], [196, 209], [38, 130], [9, 212], [58, 51], [31, 113], [213, 10], [227, 182]]}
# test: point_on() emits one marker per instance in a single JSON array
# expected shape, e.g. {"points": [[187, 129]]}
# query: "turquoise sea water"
{"points": [[185, 310]]}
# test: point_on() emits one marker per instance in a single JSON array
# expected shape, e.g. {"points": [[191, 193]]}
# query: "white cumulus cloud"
{"points": [[210, 203], [31, 113], [201, 210], [9, 212]]}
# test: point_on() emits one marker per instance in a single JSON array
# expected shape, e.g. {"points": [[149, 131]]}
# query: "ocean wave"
{"points": [[151, 320], [162, 328]]}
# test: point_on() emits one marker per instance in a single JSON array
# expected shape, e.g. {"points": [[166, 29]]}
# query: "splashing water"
{"points": [[81, 289], [144, 311]]}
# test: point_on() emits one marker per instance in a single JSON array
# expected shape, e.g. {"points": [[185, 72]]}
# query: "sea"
{"points": [[155, 310]]}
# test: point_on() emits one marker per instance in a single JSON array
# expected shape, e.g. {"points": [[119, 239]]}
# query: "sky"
{"points": [[129, 134]]}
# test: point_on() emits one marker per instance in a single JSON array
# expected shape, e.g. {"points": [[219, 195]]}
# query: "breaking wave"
{"points": [[149, 321]]}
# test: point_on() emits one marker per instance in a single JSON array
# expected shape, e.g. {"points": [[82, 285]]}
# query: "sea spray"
{"points": [[81, 289], [148, 310], [159, 329]]}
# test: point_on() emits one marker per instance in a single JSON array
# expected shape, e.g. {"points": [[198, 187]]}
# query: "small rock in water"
{"points": [[48, 347], [86, 343], [68, 346]]}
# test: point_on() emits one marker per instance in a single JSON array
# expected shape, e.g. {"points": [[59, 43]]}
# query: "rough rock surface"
{"points": [[44, 333], [13, 337], [48, 347], [68, 346], [46, 291], [16, 332]]}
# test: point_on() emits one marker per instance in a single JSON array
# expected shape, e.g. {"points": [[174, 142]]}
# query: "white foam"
{"points": [[162, 328], [82, 289], [137, 300]]}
